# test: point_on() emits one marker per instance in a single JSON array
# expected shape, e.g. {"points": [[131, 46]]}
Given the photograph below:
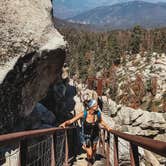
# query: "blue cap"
{"points": [[92, 103]]}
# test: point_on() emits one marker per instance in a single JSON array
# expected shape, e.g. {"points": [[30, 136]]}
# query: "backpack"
{"points": [[98, 115], [84, 118]]}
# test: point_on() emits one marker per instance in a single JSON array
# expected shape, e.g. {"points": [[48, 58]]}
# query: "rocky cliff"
{"points": [[136, 122], [32, 53], [145, 73]]}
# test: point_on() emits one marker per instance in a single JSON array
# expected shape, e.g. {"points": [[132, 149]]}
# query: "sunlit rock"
{"points": [[32, 53]]}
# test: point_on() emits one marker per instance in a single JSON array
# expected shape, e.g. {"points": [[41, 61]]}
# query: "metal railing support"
{"points": [[104, 144], [102, 141], [52, 151], [134, 156], [23, 137], [116, 156], [66, 149], [108, 150], [155, 146], [23, 152]]}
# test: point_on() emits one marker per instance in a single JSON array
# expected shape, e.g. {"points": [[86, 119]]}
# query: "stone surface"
{"points": [[81, 160], [32, 53], [140, 82], [161, 137], [9, 154], [151, 158], [137, 122], [40, 117], [60, 100]]}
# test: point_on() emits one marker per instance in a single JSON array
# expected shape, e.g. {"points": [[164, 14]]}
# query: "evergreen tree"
{"points": [[136, 39]]}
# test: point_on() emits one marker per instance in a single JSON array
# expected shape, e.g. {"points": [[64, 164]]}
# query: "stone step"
{"points": [[81, 160]]}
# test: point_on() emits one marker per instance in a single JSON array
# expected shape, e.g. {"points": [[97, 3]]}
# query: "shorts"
{"points": [[89, 140]]}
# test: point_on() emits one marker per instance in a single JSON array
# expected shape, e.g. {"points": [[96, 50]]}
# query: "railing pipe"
{"points": [[29, 134], [155, 146], [22, 138]]}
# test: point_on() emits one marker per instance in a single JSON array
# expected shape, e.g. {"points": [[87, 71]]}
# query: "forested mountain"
{"points": [[69, 8], [107, 48], [125, 15], [63, 24], [122, 57]]}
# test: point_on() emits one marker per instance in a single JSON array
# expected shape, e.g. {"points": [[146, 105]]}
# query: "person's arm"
{"points": [[70, 121], [105, 125]]}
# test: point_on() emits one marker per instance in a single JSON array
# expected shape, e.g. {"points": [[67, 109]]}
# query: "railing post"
{"points": [[101, 142], [52, 151], [108, 150], [66, 149], [23, 152], [76, 140], [134, 155], [99, 86], [116, 156], [104, 141]]}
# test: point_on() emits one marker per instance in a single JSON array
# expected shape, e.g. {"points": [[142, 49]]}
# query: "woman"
{"points": [[91, 118]]}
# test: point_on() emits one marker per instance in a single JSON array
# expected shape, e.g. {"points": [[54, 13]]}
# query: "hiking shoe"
{"points": [[91, 161]]}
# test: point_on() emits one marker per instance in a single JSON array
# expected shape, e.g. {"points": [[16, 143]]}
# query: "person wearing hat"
{"points": [[91, 118]]}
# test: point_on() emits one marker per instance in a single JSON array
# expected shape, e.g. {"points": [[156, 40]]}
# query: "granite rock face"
{"points": [[39, 118], [137, 122], [145, 73], [32, 53]]}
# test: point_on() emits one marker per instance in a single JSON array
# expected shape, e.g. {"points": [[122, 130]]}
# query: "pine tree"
{"points": [[136, 39]]}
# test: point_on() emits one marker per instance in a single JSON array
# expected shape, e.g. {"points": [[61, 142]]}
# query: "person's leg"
{"points": [[89, 152], [87, 146], [94, 148]]}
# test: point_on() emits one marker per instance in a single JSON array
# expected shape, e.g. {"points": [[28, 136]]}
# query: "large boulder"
{"points": [[32, 53], [137, 122], [40, 117]]}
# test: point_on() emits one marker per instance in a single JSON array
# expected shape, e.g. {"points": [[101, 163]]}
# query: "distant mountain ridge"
{"points": [[125, 15], [63, 24], [69, 8]]}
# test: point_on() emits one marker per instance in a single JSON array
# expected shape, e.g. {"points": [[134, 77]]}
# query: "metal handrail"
{"points": [[155, 146], [30, 133], [22, 139], [158, 147]]}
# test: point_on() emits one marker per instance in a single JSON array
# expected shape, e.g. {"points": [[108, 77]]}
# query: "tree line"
{"points": [[90, 52]]}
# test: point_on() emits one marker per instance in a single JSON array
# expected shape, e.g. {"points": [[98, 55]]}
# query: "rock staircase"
{"points": [[81, 159]]}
